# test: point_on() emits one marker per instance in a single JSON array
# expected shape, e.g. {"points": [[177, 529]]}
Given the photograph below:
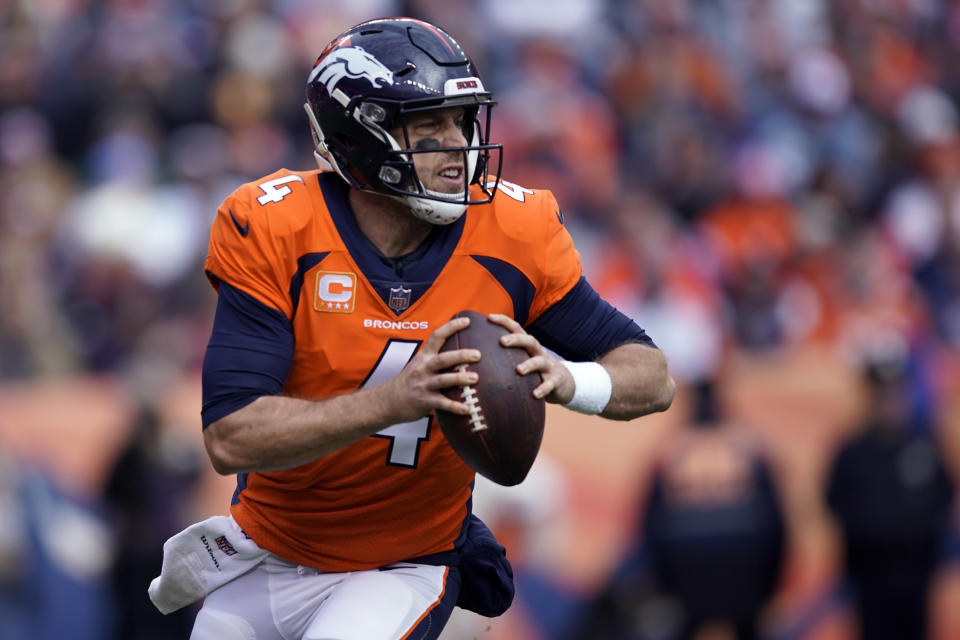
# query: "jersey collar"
{"points": [[418, 274]]}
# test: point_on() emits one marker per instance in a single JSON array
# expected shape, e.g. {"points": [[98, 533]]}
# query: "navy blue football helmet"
{"points": [[368, 80]]}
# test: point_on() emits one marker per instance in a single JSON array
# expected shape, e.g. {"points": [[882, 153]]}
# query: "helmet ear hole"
{"points": [[390, 175]]}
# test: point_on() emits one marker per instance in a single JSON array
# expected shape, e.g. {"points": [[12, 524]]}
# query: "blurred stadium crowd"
{"points": [[741, 176], [788, 168]]}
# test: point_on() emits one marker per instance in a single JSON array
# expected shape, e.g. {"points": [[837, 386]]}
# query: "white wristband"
{"points": [[592, 387]]}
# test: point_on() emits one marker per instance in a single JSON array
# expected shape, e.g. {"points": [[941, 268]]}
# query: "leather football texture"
{"points": [[501, 437]]}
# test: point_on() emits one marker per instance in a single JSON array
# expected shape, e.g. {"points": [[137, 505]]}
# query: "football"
{"points": [[501, 436]]}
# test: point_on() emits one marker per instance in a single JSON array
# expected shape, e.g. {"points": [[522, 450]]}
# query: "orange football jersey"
{"points": [[290, 241]]}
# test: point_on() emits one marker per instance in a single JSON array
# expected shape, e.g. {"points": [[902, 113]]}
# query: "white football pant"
{"points": [[279, 600]]}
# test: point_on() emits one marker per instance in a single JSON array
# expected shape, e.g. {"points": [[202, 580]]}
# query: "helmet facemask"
{"points": [[399, 171], [373, 159]]}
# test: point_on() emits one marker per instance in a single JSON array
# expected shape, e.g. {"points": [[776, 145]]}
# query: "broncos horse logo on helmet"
{"points": [[350, 62]]}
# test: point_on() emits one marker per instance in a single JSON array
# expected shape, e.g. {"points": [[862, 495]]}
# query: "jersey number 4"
{"points": [[276, 190], [404, 437]]}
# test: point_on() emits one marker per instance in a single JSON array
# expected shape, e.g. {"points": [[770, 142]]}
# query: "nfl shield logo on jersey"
{"points": [[399, 298]]}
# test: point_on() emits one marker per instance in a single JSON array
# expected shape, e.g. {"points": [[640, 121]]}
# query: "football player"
{"points": [[352, 515]]}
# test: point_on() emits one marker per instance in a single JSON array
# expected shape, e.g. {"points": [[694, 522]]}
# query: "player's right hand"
{"points": [[416, 390]]}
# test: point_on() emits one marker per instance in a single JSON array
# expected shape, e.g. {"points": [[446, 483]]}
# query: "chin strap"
{"points": [[434, 211]]}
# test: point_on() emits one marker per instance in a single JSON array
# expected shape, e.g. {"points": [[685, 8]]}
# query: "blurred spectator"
{"points": [[922, 214], [893, 499], [54, 560], [753, 230], [713, 526], [713, 539], [662, 275], [671, 94], [149, 492], [561, 131], [35, 187]]}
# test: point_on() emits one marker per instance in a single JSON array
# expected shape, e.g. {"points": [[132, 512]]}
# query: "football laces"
{"points": [[469, 396]]}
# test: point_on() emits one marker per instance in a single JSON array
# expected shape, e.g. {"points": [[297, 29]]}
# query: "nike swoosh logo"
{"points": [[244, 230]]}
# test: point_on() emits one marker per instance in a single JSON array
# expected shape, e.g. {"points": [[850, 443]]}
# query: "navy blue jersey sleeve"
{"points": [[249, 354], [583, 326]]}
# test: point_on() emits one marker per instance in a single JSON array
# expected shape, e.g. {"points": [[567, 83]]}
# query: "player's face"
{"points": [[442, 171]]}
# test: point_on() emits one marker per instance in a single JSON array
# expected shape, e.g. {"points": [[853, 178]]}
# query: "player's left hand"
{"points": [[558, 385]]}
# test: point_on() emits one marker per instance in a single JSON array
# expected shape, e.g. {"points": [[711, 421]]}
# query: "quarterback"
{"points": [[352, 515]]}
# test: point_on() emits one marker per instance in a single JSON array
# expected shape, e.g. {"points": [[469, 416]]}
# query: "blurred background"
{"points": [[771, 189]]}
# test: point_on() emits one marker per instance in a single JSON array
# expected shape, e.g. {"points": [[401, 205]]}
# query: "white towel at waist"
{"points": [[201, 558]]}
